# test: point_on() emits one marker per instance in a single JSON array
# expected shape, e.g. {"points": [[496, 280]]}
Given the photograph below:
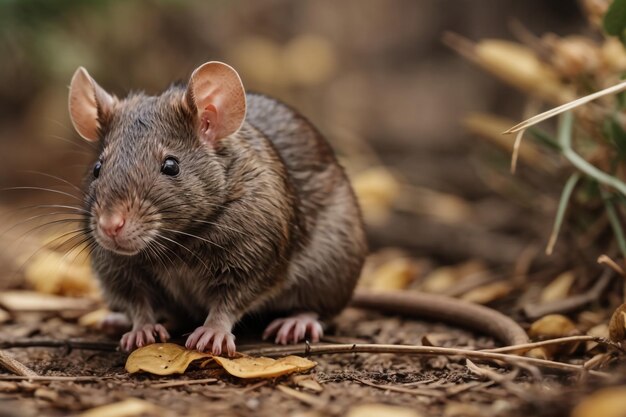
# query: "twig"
{"points": [[505, 381], [534, 311], [15, 366], [419, 391], [68, 344], [561, 340], [417, 350], [56, 378], [184, 383], [302, 396]]}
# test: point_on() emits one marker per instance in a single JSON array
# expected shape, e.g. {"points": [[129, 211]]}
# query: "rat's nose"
{"points": [[111, 224]]}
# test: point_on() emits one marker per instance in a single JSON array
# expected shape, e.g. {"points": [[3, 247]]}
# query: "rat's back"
{"points": [[325, 267]]}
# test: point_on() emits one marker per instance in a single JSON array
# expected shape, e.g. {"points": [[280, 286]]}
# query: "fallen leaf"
{"points": [[617, 324], [444, 278], [34, 301], [162, 359], [600, 330], [4, 316], [377, 190], [395, 274], [248, 367], [307, 382], [553, 326], [93, 318], [606, 402], [127, 408], [381, 410], [488, 293], [559, 288], [50, 272]]}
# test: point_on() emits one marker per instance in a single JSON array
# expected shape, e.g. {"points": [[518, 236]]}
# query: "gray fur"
{"points": [[275, 222]]}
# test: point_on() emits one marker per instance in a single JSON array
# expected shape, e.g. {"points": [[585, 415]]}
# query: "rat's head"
{"points": [[160, 167]]}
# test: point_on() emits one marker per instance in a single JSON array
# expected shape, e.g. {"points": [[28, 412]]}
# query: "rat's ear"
{"points": [[88, 102], [216, 94]]}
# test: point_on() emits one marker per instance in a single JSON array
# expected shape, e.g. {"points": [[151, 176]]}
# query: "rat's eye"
{"points": [[96, 169], [170, 167]]}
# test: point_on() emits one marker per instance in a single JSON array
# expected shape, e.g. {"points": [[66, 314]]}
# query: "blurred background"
{"points": [[373, 75]]}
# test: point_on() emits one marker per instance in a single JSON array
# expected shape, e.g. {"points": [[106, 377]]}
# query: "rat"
{"points": [[206, 204]]}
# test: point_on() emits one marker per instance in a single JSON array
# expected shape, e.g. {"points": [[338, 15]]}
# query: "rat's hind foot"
{"points": [[294, 329], [210, 338], [115, 324], [145, 335]]}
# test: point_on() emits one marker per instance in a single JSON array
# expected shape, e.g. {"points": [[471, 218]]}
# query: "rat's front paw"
{"points": [[145, 335], [294, 329], [210, 338]]}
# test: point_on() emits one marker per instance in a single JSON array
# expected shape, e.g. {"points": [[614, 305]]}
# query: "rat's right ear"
{"points": [[88, 102], [216, 94]]}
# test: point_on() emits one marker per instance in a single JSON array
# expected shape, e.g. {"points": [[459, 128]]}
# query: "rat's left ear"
{"points": [[216, 94]]}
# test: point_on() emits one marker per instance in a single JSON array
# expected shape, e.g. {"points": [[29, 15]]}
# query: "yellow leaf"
{"points": [[559, 288], [162, 359], [54, 273], [377, 190], [553, 326], [617, 324], [381, 410], [248, 367], [93, 318], [488, 293], [127, 408], [607, 402]]}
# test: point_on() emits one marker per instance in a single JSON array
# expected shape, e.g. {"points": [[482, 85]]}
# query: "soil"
{"points": [[431, 386]]}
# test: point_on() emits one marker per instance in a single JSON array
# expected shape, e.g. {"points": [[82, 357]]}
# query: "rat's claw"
{"points": [[218, 340], [145, 335], [295, 328]]}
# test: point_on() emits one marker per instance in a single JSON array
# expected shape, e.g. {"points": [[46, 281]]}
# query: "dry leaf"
{"points": [[127, 408], [553, 326], [307, 382], [381, 410], [559, 288], [444, 278], [162, 359], [519, 66], [377, 190], [54, 273], [94, 318], [488, 293], [34, 301], [606, 402], [600, 330], [248, 367], [4, 316], [309, 59], [617, 324], [395, 274]]}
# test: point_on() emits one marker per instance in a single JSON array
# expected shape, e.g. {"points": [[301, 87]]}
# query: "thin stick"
{"points": [[565, 107], [15, 366], [550, 342], [68, 344], [417, 350], [56, 378], [184, 383]]}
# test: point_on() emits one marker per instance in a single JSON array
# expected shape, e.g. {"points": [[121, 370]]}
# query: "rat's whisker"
{"points": [[218, 225], [58, 213], [194, 236], [55, 177], [50, 190], [188, 250]]}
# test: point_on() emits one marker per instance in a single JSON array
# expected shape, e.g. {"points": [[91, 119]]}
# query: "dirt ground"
{"points": [[429, 385]]}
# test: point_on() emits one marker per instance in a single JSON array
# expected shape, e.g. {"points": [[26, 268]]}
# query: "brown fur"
{"points": [[263, 221]]}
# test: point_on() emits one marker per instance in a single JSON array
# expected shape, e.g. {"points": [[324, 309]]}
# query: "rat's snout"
{"points": [[111, 224]]}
